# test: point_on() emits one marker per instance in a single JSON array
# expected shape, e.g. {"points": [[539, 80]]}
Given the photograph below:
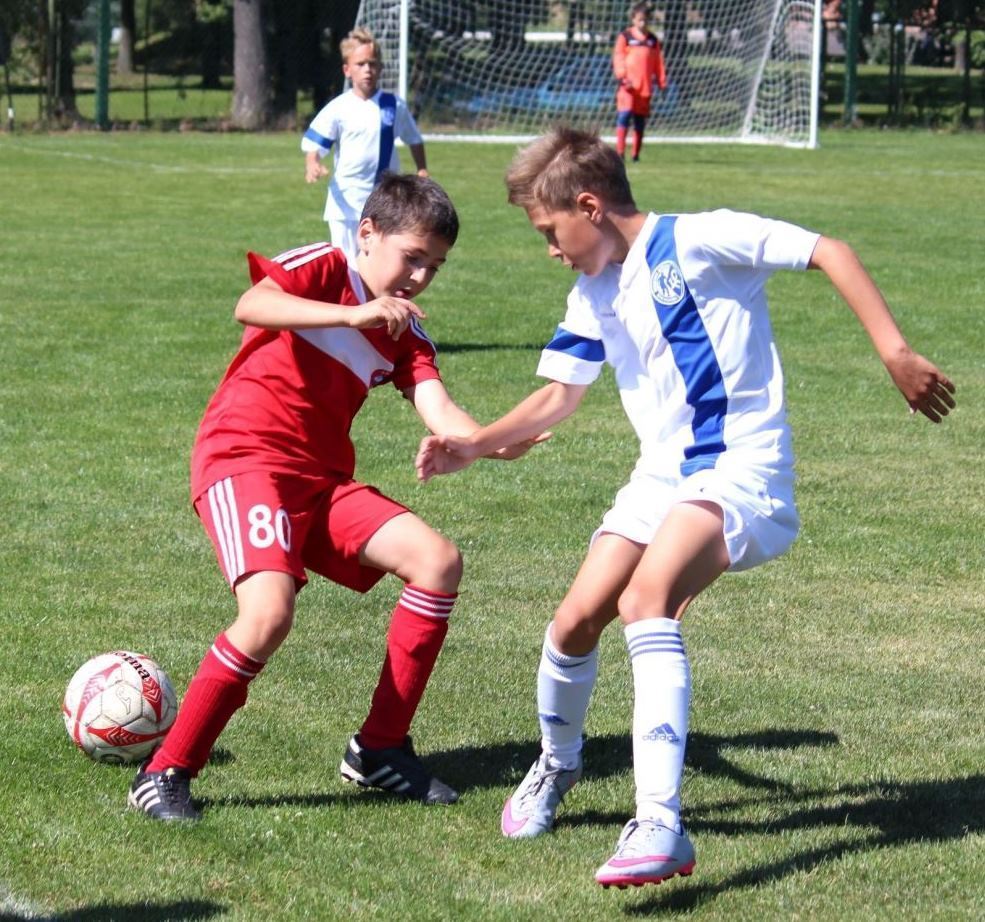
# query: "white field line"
{"points": [[18, 906], [136, 164]]}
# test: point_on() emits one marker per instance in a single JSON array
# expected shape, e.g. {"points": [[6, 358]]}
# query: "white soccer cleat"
{"points": [[533, 806], [647, 853]]}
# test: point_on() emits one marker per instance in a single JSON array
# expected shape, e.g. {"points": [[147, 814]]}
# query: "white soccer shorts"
{"points": [[760, 522]]}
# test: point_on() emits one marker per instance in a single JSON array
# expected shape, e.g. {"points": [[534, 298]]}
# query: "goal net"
{"points": [[737, 70]]}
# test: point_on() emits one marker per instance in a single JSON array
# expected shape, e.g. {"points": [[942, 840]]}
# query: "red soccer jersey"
{"points": [[287, 400], [638, 63]]}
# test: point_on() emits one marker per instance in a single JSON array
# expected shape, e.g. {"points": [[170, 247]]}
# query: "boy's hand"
{"points": [[314, 171], [393, 313], [926, 388], [443, 454]]}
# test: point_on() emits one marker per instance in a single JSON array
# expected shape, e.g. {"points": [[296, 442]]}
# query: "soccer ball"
{"points": [[119, 706]]}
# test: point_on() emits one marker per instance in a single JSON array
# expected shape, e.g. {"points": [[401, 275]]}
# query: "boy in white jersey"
{"points": [[676, 304], [361, 125], [273, 483]]}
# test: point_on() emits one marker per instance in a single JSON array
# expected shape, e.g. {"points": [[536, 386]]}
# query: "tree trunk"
{"points": [[65, 110], [251, 69], [286, 54], [128, 33]]}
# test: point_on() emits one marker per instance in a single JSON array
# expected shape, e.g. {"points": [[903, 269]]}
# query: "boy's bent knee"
{"points": [[438, 566], [575, 633], [636, 605], [259, 632]]}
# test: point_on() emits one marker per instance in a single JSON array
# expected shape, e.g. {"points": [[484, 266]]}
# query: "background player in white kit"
{"points": [[676, 304], [360, 126]]}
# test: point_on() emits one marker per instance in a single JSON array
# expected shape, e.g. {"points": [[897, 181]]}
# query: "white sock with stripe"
{"points": [[564, 687], [662, 689]]}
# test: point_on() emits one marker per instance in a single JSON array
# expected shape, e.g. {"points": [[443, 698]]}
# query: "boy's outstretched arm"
{"points": [[268, 306], [508, 437], [446, 419], [924, 386]]}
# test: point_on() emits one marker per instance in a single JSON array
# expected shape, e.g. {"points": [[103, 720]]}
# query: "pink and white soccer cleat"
{"points": [[647, 853]]}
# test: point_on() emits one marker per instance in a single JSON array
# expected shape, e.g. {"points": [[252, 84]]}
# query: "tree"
{"points": [[128, 36], [251, 107]]}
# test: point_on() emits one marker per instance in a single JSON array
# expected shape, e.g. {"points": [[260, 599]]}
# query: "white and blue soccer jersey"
{"points": [[684, 324], [362, 134]]}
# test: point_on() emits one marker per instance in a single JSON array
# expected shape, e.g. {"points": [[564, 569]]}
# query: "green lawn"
{"points": [[835, 770]]}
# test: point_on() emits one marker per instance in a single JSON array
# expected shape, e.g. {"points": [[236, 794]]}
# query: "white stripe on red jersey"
{"points": [[307, 257], [353, 350]]}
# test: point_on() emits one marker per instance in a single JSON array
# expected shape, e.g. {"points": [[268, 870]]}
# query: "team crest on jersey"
{"points": [[667, 283], [388, 115]]}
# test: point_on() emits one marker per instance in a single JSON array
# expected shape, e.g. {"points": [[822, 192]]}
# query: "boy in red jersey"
{"points": [[272, 481], [638, 64]]}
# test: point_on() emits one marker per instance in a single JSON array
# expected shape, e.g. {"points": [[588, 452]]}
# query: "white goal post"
{"points": [[738, 70]]}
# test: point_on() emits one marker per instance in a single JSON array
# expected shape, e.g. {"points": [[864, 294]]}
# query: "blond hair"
{"points": [[357, 38], [556, 168]]}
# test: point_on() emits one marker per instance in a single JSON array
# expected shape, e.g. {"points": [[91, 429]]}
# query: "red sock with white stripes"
{"points": [[216, 692], [417, 631]]}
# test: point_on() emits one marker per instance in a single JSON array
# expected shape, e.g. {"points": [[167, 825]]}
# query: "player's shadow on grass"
{"points": [[892, 814], [451, 348], [505, 764], [123, 912]]}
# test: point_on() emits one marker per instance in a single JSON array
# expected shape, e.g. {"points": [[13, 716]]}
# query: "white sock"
{"points": [[662, 686], [564, 686]]}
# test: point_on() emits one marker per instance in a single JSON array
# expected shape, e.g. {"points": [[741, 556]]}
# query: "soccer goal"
{"points": [[738, 70]]}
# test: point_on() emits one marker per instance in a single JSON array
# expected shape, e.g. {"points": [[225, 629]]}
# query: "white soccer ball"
{"points": [[118, 707]]}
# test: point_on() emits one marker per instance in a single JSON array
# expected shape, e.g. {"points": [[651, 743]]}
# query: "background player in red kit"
{"points": [[271, 480], [638, 65]]}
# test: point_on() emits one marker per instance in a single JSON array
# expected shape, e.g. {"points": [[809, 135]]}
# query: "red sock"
{"points": [[216, 692], [637, 143], [417, 630], [620, 140]]}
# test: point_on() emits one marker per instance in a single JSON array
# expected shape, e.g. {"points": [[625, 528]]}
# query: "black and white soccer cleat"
{"points": [[397, 770], [163, 795]]}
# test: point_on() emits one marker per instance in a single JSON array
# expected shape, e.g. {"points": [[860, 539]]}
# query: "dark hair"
{"points": [[403, 203], [556, 168]]}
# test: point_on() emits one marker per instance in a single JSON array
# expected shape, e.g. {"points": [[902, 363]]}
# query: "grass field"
{"points": [[835, 769]]}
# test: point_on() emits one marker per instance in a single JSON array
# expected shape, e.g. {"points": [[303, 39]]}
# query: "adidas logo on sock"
{"points": [[554, 719], [662, 734]]}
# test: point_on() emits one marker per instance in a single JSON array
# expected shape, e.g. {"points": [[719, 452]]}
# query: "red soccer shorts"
{"points": [[286, 523], [628, 101]]}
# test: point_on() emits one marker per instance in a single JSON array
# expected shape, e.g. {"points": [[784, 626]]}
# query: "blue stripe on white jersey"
{"points": [[693, 354], [388, 117], [324, 143], [579, 347]]}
